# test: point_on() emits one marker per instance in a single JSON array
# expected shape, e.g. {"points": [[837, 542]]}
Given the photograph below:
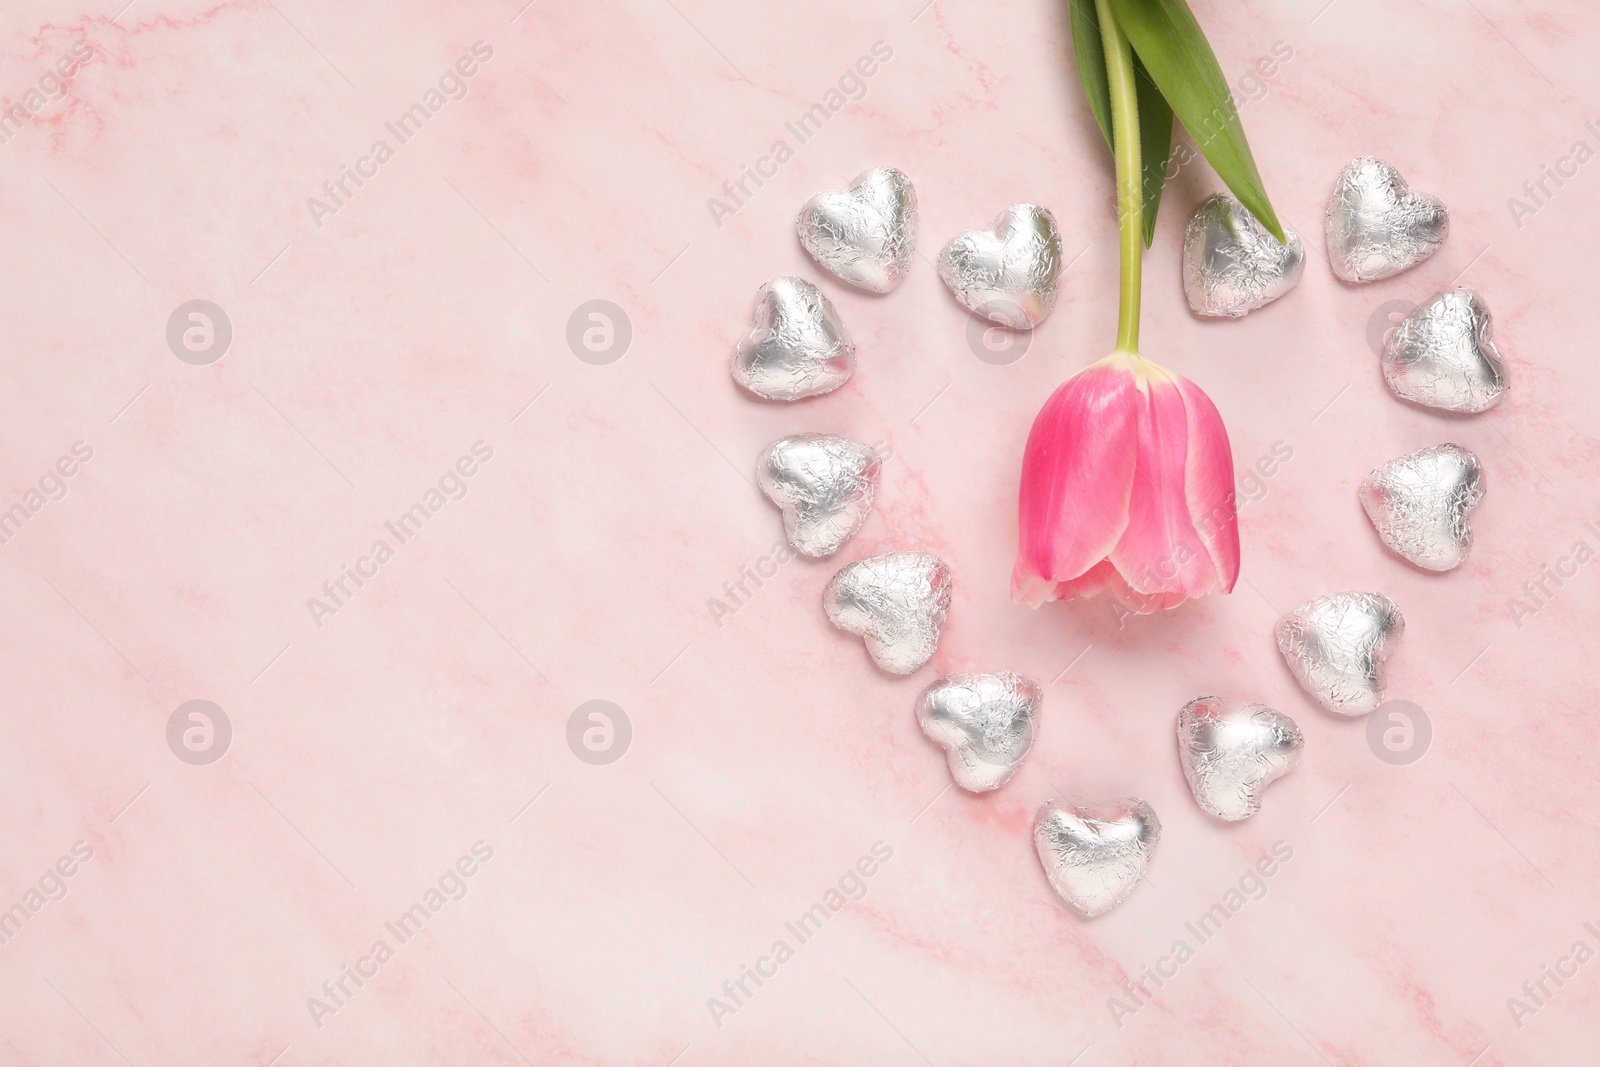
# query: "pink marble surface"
{"points": [[374, 751]]}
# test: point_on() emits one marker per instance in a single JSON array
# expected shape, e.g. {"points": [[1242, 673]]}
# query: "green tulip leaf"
{"points": [[1090, 52], [1180, 62], [1155, 117], [1155, 144]]}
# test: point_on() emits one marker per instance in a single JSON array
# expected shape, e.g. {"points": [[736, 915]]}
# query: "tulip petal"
{"points": [[1161, 553], [1101, 578], [1104, 577], [1208, 484], [1077, 478], [1028, 588], [1127, 489]]}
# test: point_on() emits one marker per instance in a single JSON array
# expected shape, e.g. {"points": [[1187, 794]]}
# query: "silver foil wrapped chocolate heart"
{"points": [[984, 722], [1230, 752], [823, 484], [1010, 274], [1095, 854], [1443, 355], [1336, 645], [1419, 504], [797, 348], [897, 603], [1377, 225], [1231, 264], [867, 235]]}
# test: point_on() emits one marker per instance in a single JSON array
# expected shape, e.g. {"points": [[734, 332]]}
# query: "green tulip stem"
{"points": [[1125, 146]]}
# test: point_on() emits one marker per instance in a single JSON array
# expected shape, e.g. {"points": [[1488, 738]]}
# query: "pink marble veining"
{"points": [[414, 728]]}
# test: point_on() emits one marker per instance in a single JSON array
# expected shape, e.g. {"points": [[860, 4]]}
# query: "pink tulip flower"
{"points": [[1127, 488]]}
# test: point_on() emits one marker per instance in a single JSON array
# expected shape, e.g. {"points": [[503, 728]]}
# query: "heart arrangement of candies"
{"points": [[1442, 356]]}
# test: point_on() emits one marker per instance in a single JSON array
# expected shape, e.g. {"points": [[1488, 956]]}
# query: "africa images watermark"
{"points": [[851, 86], [1552, 177], [50, 87], [450, 886], [452, 485], [1249, 487], [599, 732], [452, 85], [851, 886], [1536, 992], [1537, 592], [1249, 889], [50, 887], [737, 591], [52, 486], [1253, 86]]}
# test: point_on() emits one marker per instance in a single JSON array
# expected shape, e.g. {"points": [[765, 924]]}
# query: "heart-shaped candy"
{"points": [[984, 722], [1443, 355], [1419, 503], [1230, 752], [824, 486], [1010, 274], [1095, 854], [866, 236], [1231, 264], [797, 348], [1377, 226], [1336, 645], [897, 603]]}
